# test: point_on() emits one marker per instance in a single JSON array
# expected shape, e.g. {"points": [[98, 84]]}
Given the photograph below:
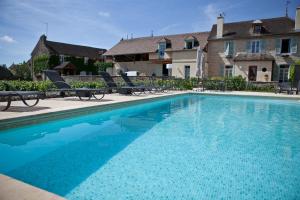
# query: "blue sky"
{"points": [[102, 23]]}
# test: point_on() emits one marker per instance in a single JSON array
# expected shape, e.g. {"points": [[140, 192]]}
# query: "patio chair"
{"points": [[111, 84], [284, 87], [138, 88], [81, 93], [297, 89], [9, 96]]}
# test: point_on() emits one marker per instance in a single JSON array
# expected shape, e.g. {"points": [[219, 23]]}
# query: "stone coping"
{"points": [[72, 111], [12, 189]]}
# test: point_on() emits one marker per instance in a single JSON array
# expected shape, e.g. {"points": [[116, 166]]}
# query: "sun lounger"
{"points": [[63, 87], [111, 84], [9, 96], [137, 88], [284, 87]]}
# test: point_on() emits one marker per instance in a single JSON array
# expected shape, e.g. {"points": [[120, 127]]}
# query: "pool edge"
{"points": [[16, 122]]}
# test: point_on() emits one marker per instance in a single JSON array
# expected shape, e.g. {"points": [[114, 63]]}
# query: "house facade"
{"points": [[169, 55], [60, 54], [259, 50]]}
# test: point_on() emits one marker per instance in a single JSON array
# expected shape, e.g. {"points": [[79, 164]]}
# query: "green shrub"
{"points": [[26, 85], [93, 84], [235, 83]]}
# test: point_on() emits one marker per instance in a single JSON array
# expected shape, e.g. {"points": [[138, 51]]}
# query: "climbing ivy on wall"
{"points": [[80, 66]]}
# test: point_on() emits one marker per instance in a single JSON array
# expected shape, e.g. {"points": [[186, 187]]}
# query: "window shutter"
{"points": [[248, 46], [277, 45], [221, 70], [263, 46], [225, 46], [293, 46], [231, 48]]}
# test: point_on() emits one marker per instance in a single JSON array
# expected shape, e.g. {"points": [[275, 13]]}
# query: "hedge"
{"points": [[235, 83]]}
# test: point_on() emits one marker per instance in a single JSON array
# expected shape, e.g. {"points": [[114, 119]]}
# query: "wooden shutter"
{"points": [[231, 48], [248, 46], [278, 46], [293, 46], [221, 70], [263, 46]]}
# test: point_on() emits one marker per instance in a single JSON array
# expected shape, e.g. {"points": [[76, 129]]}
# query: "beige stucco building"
{"points": [[259, 50], [169, 55]]}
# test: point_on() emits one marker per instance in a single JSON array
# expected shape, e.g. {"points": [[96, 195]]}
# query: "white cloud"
{"points": [[104, 14], [7, 39], [211, 12]]}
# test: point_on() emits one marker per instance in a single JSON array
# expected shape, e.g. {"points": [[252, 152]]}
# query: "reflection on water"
{"points": [[57, 156]]}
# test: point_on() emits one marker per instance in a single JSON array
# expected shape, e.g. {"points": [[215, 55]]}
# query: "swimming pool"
{"points": [[185, 147]]}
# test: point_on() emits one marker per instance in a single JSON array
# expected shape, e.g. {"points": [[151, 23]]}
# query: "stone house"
{"points": [[259, 50], [168, 55], [62, 52]]}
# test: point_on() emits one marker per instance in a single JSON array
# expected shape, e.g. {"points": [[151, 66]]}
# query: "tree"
{"points": [[102, 66], [21, 71]]}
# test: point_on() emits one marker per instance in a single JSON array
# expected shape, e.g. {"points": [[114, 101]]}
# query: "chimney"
{"points": [[43, 38], [297, 20], [220, 24]]}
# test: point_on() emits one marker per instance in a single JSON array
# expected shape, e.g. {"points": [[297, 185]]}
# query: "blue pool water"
{"points": [[186, 147]]}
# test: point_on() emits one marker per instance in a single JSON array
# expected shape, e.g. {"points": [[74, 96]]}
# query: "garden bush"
{"points": [[26, 85], [93, 84]]}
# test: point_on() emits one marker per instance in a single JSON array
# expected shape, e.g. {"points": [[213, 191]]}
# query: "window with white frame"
{"points": [[228, 72], [255, 46], [161, 49], [283, 73], [86, 59], [228, 48], [61, 58], [189, 44]]}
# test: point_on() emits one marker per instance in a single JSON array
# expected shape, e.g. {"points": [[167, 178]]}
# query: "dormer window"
{"points": [[189, 44], [61, 58], [257, 26], [161, 49], [163, 44]]}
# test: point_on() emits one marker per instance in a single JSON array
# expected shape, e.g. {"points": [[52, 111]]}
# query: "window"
{"points": [[86, 60], [228, 71], [161, 50], [228, 48], [255, 46], [257, 29], [189, 44], [283, 73], [187, 72], [285, 46], [61, 58]]}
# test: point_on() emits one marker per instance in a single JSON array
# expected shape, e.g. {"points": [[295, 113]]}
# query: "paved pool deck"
{"points": [[53, 105], [11, 189]]}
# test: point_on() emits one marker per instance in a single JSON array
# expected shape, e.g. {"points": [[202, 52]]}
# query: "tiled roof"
{"points": [[280, 25], [75, 50], [253, 57], [149, 44]]}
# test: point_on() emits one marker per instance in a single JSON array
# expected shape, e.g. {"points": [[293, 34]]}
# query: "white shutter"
{"points": [[294, 44]]}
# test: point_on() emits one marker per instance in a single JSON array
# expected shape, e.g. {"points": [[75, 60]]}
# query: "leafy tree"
{"points": [[21, 71], [102, 66]]}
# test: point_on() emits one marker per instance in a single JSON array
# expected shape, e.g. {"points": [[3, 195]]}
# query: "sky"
{"points": [[102, 23]]}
